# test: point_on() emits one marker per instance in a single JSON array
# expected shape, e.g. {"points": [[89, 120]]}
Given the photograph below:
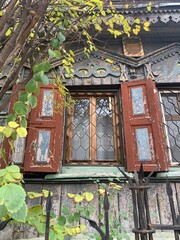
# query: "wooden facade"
{"points": [[158, 59]]}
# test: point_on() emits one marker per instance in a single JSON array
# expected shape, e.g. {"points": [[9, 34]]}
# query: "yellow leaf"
{"points": [[88, 196], [7, 131], [127, 6], [74, 232], [146, 29], [149, 6], [78, 230], [82, 227], [115, 186], [1, 129], [110, 3], [21, 131], [147, 24], [70, 195], [8, 32], [13, 124], [78, 198], [101, 191], [1, 13], [137, 21], [135, 31], [109, 60]]}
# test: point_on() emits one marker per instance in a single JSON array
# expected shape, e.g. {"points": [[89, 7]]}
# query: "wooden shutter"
{"points": [[144, 139], [6, 146], [45, 129]]}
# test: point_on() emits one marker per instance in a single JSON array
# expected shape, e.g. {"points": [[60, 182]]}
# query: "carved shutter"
{"points": [[144, 139], [45, 129]]}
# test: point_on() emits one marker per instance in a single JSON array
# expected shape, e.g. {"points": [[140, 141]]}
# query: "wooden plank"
{"points": [[56, 197], [126, 208], [30, 232], [155, 219], [164, 208]]}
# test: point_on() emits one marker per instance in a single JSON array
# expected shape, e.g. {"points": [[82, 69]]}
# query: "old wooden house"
{"points": [[126, 112]]}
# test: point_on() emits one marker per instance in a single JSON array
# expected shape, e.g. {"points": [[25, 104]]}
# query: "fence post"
{"points": [[48, 210], [142, 222]]}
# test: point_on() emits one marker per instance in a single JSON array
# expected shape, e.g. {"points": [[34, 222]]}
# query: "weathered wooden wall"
{"points": [[122, 202]]}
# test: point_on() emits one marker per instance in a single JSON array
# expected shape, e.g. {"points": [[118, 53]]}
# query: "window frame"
{"points": [[118, 143], [166, 118]]}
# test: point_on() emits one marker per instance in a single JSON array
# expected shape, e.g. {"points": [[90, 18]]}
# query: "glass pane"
{"points": [[18, 154], [80, 139], [142, 139], [47, 106], [42, 154], [170, 104], [104, 129], [173, 128], [137, 101]]}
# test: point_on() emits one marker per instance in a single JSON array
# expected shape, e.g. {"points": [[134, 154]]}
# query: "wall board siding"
{"points": [[121, 202]]}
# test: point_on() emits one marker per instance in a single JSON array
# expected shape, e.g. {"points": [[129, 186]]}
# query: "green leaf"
{"points": [[61, 37], [35, 210], [23, 122], [44, 66], [51, 53], [86, 213], [79, 207], [7, 131], [70, 219], [21, 131], [61, 220], [54, 236], [55, 43], [76, 217], [3, 211], [23, 97], [11, 117], [14, 136], [31, 86], [32, 100], [57, 53], [21, 214], [41, 77], [20, 108], [12, 196], [65, 210], [41, 228], [13, 169]]}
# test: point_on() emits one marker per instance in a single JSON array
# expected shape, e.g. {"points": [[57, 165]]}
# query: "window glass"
{"points": [[170, 102], [92, 129]]}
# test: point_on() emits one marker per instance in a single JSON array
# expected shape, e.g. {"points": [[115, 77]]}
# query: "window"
{"points": [[119, 126], [170, 101], [93, 129]]}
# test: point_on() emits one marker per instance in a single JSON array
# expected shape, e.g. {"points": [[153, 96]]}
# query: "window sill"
{"points": [[80, 173], [89, 174]]}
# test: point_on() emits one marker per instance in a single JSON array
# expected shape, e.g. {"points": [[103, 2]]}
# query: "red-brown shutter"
{"points": [[6, 146], [45, 133], [144, 139]]}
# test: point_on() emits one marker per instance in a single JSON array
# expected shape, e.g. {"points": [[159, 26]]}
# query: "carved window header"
{"points": [[133, 47]]}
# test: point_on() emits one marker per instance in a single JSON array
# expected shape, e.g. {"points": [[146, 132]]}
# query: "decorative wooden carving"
{"points": [[133, 47]]}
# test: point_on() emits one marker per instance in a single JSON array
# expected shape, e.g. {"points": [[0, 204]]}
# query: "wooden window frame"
{"points": [[92, 129], [166, 118]]}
